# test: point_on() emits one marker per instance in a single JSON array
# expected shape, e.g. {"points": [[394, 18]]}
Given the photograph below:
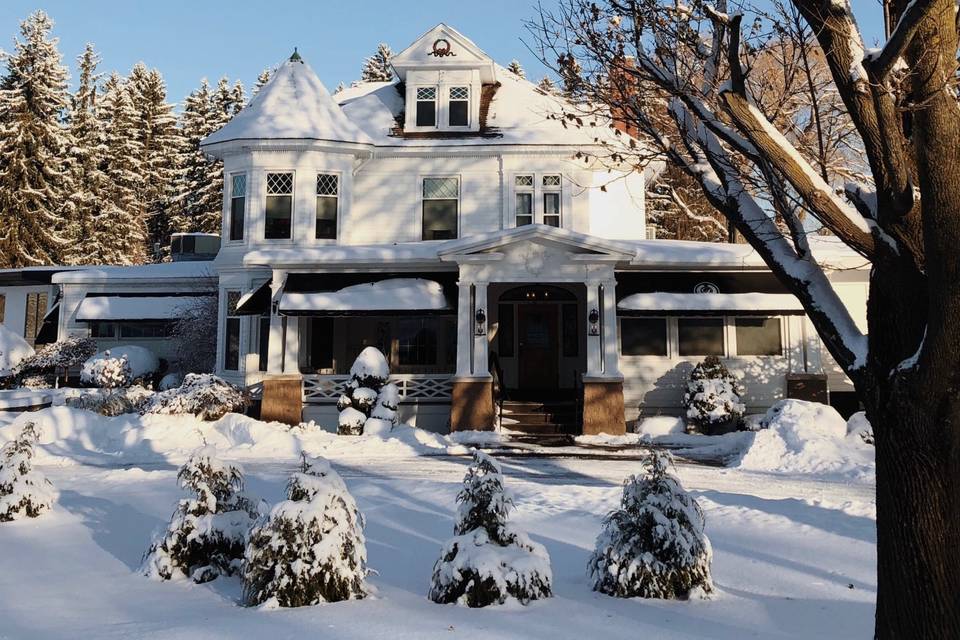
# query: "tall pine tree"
{"points": [[159, 139], [515, 68], [199, 199], [377, 67], [122, 229], [87, 153], [262, 79], [35, 176]]}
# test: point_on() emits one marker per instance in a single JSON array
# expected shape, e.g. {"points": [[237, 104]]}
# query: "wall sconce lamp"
{"points": [[481, 318], [594, 319]]}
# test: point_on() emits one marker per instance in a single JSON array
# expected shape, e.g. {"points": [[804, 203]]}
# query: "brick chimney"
{"points": [[623, 87]]}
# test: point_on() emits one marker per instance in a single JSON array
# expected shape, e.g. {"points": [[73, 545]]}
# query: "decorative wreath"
{"points": [[441, 48]]}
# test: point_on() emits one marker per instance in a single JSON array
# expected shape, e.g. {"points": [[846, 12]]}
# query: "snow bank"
{"points": [[661, 426], [68, 435], [13, 349], [806, 437]]}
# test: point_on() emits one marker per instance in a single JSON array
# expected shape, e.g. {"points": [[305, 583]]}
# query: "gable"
{"points": [[537, 239], [444, 48]]}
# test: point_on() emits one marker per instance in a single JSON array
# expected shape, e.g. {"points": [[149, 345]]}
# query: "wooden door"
{"points": [[537, 346]]}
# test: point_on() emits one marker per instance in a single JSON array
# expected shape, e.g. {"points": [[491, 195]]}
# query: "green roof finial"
{"points": [[296, 56]]}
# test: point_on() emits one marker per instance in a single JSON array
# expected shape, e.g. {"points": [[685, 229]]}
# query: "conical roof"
{"points": [[293, 104]]}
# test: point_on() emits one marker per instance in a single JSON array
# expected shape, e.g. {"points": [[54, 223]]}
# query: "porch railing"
{"points": [[326, 389]]}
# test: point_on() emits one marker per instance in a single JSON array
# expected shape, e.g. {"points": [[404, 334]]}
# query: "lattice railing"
{"points": [[326, 389]]}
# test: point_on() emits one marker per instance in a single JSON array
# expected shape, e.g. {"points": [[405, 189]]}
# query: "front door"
{"points": [[537, 346]]}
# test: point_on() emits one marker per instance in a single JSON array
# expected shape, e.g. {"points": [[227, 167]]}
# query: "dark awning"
{"points": [[255, 302], [709, 304], [48, 327]]}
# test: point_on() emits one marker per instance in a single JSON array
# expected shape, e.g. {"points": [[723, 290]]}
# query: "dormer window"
{"points": [[426, 106], [459, 106]]}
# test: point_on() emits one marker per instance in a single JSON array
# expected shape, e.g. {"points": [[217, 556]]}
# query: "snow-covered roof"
{"points": [[293, 105], [666, 302], [394, 294], [519, 114], [398, 252], [148, 272], [95, 308]]}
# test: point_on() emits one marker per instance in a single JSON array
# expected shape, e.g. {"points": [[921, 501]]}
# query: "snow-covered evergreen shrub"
{"points": [[310, 548], [195, 336], [113, 402], [119, 367], [24, 492], [368, 398], [488, 561], [62, 354], [203, 395], [37, 381], [713, 394], [207, 534], [654, 545]]}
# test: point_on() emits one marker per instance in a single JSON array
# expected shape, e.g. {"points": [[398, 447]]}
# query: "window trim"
{"points": [[551, 189], [229, 217], [528, 189], [339, 197], [293, 207], [423, 199]]}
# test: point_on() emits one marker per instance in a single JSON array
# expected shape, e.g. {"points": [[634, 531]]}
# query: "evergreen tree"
{"points": [[653, 546], [121, 229], [36, 185], [200, 185], [547, 85], [159, 139], [488, 561], [340, 87], [262, 79], [24, 492], [377, 67], [515, 68], [90, 183], [239, 98], [369, 402]]}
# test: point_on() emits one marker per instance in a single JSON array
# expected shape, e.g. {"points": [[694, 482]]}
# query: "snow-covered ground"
{"points": [[794, 553]]}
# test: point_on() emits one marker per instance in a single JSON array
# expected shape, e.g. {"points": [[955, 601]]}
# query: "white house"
{"points": [[446, 219]]}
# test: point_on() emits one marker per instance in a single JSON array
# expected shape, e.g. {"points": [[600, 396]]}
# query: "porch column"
{"points": [[276, 344], [594, 347], [480, 341], [611, 359], [291, 347], [464, 330]]}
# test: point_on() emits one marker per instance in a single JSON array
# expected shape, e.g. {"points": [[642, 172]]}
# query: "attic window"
{"points": [[459, 107], [426, 106]]}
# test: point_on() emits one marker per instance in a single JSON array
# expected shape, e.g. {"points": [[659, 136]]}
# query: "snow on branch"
{"points": [[881, 63]]}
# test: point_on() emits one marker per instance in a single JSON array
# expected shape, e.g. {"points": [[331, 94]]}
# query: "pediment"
{"points": [[443, 47], [540, 240]]}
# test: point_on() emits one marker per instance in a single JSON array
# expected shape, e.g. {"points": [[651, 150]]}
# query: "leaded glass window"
{"points": [[279, 208], [441, 202], [326, 220]]}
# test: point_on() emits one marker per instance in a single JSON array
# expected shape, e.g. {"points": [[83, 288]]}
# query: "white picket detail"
{"points": [[326, 389]]}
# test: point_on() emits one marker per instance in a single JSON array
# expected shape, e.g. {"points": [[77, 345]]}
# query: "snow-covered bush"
{"points": [[712, 398], [63, 354], [203, 395], [118, 367], [858, 426], [24, 492], [113, 402], [170, 381], [207, 534], [369, 403], [195, 336], [13, 350], [488, 561], [653, 546], [36, 381], [310, 548]]}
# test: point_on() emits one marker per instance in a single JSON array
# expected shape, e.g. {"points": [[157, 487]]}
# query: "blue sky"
{"points": [[191, 39]]}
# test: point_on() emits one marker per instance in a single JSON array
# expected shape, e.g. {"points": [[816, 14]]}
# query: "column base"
{"points": [[282, 399], [471, 406], [603, 407]]}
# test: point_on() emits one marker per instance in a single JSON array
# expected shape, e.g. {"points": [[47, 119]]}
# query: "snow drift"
{"points": [[13, 349]]}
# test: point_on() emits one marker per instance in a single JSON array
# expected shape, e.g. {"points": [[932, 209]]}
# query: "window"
{"points": [[36, 309], [279, 206], [321, 345], [551, 200], [231, 341], [417, 342], [505, 330], [459, 106], [441, 198], [643, 336], [327, 187], [523, 185], [103, 330], [426, 106], [263, 342], [238, 205], [700, 336], [758, 336], [145, 329]]}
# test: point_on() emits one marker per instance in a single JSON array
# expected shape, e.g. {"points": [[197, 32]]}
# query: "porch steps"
{"points": [[541, 419]]}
